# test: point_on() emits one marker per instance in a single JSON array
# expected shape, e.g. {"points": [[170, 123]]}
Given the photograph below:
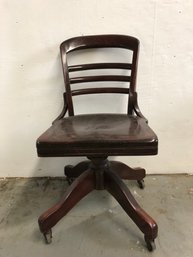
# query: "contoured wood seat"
{"points": [[100, 135]]}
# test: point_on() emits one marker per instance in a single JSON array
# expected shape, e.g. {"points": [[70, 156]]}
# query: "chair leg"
{"points": [[83, 185], [121, 193], [126, 172], [72, 172]]}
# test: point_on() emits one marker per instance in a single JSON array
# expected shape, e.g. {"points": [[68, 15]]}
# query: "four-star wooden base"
{"points": [[100, 174]]}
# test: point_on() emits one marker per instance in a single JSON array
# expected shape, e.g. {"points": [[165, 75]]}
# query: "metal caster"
{"points": [[70, 180], [67, 171], [48, 236], [141, 183], [150, 244]]}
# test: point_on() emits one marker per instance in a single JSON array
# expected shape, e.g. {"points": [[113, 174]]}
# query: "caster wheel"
{"points": [[141, 183], [48, 236], [70, 180], [67, 170], [67, 173], [150, 245]]}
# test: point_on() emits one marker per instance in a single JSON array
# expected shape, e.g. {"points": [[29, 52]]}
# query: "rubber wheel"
{"points": [[150, 245], [70, 180], [48, 236], [141, 183], [67, 169]]}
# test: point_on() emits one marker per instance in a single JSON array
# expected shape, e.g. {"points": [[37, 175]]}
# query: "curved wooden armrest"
{"points": [[136, 107], [64, 110]]}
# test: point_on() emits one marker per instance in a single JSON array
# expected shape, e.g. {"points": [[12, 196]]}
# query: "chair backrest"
{"points": [[99, 41]]}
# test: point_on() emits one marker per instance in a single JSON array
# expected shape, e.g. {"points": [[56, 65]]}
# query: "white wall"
{"points": [[32, 83]]}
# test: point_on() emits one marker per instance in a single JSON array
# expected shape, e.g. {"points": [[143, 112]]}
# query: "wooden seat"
{"points": [[97, 136]]}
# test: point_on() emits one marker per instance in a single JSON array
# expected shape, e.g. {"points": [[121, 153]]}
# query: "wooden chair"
{"points": [[98, 136]]}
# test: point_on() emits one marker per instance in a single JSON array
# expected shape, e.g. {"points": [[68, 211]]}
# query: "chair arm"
{"points": [[136, 107], [64, 110]]}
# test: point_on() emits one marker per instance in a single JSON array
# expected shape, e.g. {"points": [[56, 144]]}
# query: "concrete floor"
{"points": [[97, 226]]}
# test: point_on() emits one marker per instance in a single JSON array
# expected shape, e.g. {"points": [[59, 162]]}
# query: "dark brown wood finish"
{"points": [[100, 41], [84, 184], [98, 136], [80, 67]]}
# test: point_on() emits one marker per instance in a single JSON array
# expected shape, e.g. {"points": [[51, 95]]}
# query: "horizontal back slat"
{"points": [[80, 67], [97, 41], [100, 78], [109, 90]]}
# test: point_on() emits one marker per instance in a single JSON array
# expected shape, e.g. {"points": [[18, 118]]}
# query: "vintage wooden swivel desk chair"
{"points": [[98, 136]]}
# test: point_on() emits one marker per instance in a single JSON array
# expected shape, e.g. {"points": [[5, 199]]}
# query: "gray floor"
{"points": [[97, 226]]}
